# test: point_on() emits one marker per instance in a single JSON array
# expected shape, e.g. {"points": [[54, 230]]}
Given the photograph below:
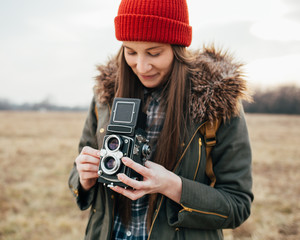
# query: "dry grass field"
{"points": [[36, 155]]}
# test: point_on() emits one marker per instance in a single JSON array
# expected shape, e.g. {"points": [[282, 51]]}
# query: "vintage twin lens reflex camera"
{"points": [[125, 137]]}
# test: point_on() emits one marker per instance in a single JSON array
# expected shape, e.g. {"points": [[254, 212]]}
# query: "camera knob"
{"points": [[146, 150], [102, 152], [140, 138], [100, 173]]}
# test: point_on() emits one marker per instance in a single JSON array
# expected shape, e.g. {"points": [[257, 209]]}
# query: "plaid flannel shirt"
{"points": [[137, 230]]}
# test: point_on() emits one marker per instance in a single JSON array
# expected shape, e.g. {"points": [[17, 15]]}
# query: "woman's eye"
{"points": [[153, 54], [131, 53]]}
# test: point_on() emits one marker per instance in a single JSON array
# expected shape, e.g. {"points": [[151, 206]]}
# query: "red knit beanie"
{"points": [[165, 21]]}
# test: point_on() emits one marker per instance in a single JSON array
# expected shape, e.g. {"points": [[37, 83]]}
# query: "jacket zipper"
{"points": [[156, 214], [177, 164], [198, 164], [198, 211]]}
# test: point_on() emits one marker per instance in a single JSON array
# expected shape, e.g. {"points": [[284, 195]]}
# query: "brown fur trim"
{"points": [[104, 88], [218, 85]]}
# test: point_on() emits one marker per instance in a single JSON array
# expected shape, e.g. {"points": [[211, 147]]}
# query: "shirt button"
{"points": [[128, 233]]}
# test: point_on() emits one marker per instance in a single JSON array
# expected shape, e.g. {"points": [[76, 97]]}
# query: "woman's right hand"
{"points": [[87, 164]]}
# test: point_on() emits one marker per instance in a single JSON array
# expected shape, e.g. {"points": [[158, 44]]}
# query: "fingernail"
{"points": [[120, 176]]}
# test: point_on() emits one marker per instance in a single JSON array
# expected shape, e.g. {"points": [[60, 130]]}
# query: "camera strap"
{"points": [[96, 112]]}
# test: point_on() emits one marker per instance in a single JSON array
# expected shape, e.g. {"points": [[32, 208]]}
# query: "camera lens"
{"points": [[110, 163], [113, 143]]}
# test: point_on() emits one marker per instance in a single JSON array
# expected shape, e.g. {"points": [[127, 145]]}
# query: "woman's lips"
{"points": [[148, 76]]}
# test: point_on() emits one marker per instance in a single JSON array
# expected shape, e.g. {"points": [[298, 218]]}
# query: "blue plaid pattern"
{"points": [[137, 230], [155, 119]]}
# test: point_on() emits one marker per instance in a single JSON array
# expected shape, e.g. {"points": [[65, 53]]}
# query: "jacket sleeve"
{"points": [[88, 138], [227, 205]]}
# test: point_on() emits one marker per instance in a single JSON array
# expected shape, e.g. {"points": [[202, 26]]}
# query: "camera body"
{"points": [[125, 137]]}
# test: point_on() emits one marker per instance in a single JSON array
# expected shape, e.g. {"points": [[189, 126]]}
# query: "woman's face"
{"points": [[150, 61]]}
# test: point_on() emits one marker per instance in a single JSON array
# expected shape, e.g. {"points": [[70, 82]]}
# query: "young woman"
{"points": [[180, 91]]}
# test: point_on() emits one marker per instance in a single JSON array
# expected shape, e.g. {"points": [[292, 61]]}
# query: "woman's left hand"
{"points": [[157, 179]]}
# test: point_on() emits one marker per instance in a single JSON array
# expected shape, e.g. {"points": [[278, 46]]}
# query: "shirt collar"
{"points": [[155, 93]]}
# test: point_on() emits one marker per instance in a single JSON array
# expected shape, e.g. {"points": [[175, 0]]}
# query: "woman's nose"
{"points": [[143, 65]]}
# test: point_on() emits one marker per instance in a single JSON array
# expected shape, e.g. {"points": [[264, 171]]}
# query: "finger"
{"points": [[90, 151], [88, 175], [83, 159], [130, 181], [88, 168], [132, 194], [135, 166], [148, 164]]}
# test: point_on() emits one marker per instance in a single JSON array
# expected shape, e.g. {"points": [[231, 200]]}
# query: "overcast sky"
{"points": [[50, 49]]}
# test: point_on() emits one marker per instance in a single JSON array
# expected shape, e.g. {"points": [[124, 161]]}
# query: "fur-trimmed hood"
{"points": [[218, 85]]}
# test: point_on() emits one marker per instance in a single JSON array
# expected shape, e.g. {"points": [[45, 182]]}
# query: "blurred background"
{"points": [[49, 51]]}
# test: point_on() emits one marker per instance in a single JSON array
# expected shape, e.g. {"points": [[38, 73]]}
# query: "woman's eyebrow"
{"points": [[127, 47]]}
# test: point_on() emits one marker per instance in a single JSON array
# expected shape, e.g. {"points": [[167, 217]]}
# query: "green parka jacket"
{"points": [[203, 210]]}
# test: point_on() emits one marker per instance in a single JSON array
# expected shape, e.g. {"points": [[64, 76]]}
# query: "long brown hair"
{"points": [[175, 99]]}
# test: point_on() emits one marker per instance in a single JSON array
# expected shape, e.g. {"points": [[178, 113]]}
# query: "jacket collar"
{"points": [[218, 85]]}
